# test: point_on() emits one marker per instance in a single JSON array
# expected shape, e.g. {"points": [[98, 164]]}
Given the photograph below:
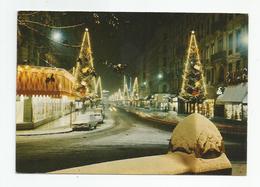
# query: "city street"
{"points": [[146, 73], [129, 137]]}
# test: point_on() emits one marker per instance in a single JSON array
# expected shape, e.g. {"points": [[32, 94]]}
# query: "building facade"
{"points": [[222, 41]]}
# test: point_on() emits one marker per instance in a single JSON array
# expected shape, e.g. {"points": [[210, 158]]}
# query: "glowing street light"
{"points": [[159, 76], [144, 83], [56, 36]]}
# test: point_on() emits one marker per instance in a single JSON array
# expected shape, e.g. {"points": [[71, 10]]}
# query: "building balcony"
{"points": [[218, 56]]}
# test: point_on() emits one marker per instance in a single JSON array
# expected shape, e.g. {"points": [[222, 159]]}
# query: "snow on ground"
{"points": [[137, 134], [197, 134]]}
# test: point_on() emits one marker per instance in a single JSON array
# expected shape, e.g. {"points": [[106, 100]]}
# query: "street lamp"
{"points": [[159, 76], [144, 83], [56, 36]]}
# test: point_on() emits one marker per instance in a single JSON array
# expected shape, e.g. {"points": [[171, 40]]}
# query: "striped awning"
{"points": [[35, 80]]}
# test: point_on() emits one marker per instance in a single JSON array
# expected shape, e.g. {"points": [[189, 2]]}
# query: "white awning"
{"points": [[245, 100], [234, 94]]}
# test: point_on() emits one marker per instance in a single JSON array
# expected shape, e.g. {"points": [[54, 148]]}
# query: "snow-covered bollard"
{"points": [[196, 135]]}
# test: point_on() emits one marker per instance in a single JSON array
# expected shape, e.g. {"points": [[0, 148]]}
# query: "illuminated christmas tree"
{"points": [[193, 84], [135, 91], [84, 71], [125, 90], [98, 88]]}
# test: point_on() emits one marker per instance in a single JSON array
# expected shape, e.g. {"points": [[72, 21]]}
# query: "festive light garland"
{"points": [[51, 26], [35, 30]]}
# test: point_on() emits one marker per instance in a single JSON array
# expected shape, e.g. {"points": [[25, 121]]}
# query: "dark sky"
{"points": [[115, 38]]}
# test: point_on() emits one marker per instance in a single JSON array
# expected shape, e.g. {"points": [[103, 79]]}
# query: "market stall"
{"points": [[233, 102], [42, 94]]}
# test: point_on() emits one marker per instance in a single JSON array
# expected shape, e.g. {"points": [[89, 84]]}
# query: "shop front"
{"points": [[232, 104], [43, 94], [205, 108]]}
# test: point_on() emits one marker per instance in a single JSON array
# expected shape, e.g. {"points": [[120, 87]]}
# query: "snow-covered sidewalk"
{"points": [[61, 125], [172, 118]]}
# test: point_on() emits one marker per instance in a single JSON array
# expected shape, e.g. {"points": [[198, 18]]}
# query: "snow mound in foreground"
{"points": [[197, 134]]}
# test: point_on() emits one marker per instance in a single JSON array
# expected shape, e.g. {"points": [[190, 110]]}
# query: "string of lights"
{"points": [[35, 30], [52, 26], [51, 65]]}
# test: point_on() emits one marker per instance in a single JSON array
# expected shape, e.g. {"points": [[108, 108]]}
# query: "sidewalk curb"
{"points": [[45, 133], [66, 131]]}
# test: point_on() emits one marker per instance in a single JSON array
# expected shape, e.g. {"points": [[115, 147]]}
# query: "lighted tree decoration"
{"points": [[125, 90], [135, 91], [98, 87], [84, 71], [193, 84]]}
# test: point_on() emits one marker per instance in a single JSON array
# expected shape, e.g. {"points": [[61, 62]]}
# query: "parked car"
{"points": [[100, 110], [85, 122], [98, 117]]}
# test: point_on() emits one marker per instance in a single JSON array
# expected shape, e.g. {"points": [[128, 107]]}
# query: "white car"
{"points": [[98, 117], [100, 110], [85, 122]]}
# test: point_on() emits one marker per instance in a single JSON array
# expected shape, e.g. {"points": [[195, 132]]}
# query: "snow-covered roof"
{"points": [[245, 100], [196, 134], [233, 94]]}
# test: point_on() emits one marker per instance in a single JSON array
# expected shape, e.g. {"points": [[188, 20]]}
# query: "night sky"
{"points": [[115, 38]]}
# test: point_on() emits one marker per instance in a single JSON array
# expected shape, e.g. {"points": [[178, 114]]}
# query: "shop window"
{"points": [[244, 117], [233, 111]]}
